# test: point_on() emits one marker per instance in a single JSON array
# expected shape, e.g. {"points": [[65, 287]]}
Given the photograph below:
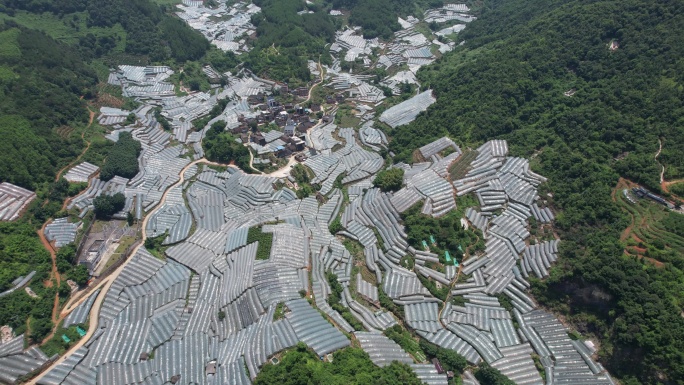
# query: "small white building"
{"points": [[290, 127]]}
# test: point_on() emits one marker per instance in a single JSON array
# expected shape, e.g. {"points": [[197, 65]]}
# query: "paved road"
{"points": [[107, 282]]}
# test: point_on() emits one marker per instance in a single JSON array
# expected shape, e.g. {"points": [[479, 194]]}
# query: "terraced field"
{"points": [[653, 230], [460, 167]]}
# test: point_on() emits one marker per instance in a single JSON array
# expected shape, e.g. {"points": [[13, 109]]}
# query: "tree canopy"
{"points": [[390, 179], [122, 159], [41, 82], [108, 205], [220, 146], [491, 376], [286, 40]]}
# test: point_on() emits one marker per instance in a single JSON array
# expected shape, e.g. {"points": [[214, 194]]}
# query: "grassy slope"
{"points": [[67, 29]]}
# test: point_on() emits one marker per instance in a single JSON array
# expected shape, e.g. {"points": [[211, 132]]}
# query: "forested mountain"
{"points": [[41, 82], [47, 77], [149, 31], [588, 88], [53, 55]]}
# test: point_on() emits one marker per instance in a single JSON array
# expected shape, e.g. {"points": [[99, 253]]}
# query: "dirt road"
{"points": [[107, 282], [662, 168], [320, 81], [54, 275], [251, 161], [90, 122]]}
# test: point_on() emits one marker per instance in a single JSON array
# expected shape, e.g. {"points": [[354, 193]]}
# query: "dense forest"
{"points": [[41, 82], [378, 18], [286, 40], [586, 89], [150, 31], [20, 253], [390, 179]]}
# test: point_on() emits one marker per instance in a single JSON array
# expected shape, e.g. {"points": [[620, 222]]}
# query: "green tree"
{"points": [[122, 159], [108, 205], [488, 375], [349, 366], [66, 257], [390, 179], [80, 275]]}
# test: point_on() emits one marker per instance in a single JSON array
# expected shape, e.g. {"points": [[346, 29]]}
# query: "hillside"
{"points": [[54, 57], [51, 54], [587, 88], [588, 91], [42, 81]]}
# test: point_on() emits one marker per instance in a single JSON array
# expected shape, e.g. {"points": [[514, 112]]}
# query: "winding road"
{"points": [[46, 244], [90, 123], [664, 184], [106, 283]]}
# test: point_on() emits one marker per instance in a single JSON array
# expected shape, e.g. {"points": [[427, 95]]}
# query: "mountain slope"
{"points": [[510, 80]]}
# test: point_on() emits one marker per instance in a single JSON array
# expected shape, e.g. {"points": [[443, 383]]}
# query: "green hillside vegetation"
{"points": [[286, 40], [508, 81], [255, 234], [655, 232], [373, 18], [122, 159], [147, 29], [447, 231], [20, 253], [350, 366], [677, 189], [39, 92], [25, 155], [378, 18], [390, 179], [220, 146]]}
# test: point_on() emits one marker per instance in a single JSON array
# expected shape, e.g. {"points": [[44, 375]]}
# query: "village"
{"points": [[210, 271]]}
